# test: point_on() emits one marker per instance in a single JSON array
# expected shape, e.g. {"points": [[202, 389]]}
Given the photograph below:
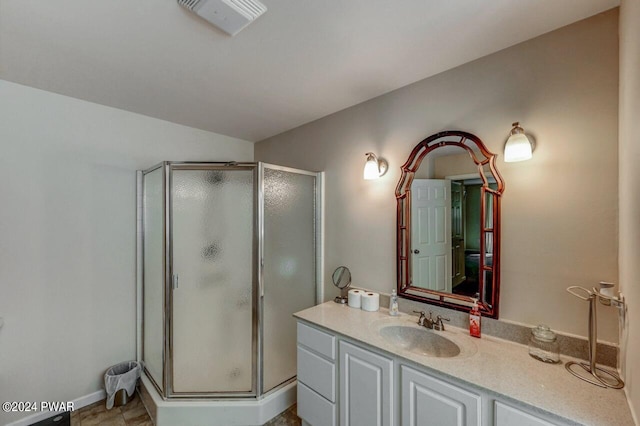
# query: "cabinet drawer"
{"points": [[319, 341], [314, 409], [508, 416], [317, 373]]}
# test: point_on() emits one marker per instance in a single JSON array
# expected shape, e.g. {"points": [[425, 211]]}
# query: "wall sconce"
{"points": [[518, 146], [374, 167]]}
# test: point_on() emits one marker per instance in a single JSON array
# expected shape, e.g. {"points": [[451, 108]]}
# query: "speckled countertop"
{"points": [[496, 365]]}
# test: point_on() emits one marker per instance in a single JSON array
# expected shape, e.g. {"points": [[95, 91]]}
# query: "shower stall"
{"points": [[227, 253]]}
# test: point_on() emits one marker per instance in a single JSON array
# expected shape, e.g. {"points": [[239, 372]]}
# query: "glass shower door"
{"points": [[153, 286], [213, 331], [289, 274]]}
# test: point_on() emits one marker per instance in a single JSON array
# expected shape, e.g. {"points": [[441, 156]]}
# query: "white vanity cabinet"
{"points": [[366, 387], [341, 382], [427, 401], [316, 376]]}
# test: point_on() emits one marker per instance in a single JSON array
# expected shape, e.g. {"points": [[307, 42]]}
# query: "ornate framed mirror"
{"points": [[448, 227]]}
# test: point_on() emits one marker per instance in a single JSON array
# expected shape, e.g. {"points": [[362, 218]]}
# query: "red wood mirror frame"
{"points": [[489, 226]]}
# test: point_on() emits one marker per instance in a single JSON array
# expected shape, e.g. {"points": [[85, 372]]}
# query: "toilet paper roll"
{"points": [[370, 301], [355, 297]]}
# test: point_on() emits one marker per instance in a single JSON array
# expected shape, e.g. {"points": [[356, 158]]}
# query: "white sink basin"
{"points": [[402, 335], [420, 341]]}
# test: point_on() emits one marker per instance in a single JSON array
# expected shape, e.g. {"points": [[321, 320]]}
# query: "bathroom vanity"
{"points": [[367, 368]]}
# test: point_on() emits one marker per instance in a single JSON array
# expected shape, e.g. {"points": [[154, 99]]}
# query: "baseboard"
{"points": [[78, 403]]}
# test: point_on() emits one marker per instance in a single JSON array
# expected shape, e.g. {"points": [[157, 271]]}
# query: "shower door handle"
{"points": [[175, 282], [261, 278]]}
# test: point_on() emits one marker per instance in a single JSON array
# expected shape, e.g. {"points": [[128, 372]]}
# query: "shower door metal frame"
{"points": [[257, 272], [142, 277], [255, 338], [318, 263]]}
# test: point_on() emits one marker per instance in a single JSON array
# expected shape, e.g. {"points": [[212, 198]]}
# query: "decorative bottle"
{"points": [[393, 303]]}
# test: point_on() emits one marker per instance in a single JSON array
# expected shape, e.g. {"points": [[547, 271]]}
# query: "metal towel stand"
{"points": [[591, 369]]}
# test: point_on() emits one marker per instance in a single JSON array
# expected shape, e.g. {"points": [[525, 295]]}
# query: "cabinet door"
{"points": [[427, 401], [510, 416], [366, 387]]}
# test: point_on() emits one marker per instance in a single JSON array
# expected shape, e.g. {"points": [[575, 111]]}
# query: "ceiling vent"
{"points": [[230, 16]]}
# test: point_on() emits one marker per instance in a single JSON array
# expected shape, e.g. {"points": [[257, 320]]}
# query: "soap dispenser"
{"points": [[393, 303], [474, 319]]}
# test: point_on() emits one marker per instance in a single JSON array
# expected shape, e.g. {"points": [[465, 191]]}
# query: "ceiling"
{"points": [[300, 61]]}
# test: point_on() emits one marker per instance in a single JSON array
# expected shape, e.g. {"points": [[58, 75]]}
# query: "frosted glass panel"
{"points": [[289, 267], [153, 284], [213, 213]]}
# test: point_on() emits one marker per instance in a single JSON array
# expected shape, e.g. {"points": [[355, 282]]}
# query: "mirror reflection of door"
{"points": [[445, 234], [430, 234], [468, 255], [457, 233]]}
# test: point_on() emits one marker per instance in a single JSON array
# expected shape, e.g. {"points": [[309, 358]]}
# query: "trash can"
{"points": [[120, 383], [121, 398]]}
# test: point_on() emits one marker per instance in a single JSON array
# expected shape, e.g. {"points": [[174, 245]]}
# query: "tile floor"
{"points": [[288, 418], [134, 414]]}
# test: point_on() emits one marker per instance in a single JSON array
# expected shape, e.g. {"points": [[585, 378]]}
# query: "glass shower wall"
{"points": [[153, 274], [229, 254], [289, 273], [213, 332]]}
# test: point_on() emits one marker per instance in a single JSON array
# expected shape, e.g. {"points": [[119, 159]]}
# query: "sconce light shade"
{"points": [[374, 167], [518, 146]]}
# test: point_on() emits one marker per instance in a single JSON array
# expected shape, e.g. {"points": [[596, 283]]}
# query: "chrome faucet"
{"points": [[424, 321], [430, 323], [438, 324]]}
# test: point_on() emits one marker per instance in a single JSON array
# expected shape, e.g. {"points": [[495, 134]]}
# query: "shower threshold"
{"points": [[216, 412]]}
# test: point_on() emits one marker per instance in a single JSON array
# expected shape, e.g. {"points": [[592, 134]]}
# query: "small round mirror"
{"points": [[341, 279]]}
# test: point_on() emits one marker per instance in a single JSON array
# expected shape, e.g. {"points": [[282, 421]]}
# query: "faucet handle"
{"points": [[422, 317], [438, 324]]}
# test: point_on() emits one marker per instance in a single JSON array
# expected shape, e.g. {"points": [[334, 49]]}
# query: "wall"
{"points": [[559, 209], [629, 244], [67, 221]]}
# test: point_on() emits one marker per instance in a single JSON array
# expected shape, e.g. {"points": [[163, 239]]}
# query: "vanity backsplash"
{"points": [[569, 345]]}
